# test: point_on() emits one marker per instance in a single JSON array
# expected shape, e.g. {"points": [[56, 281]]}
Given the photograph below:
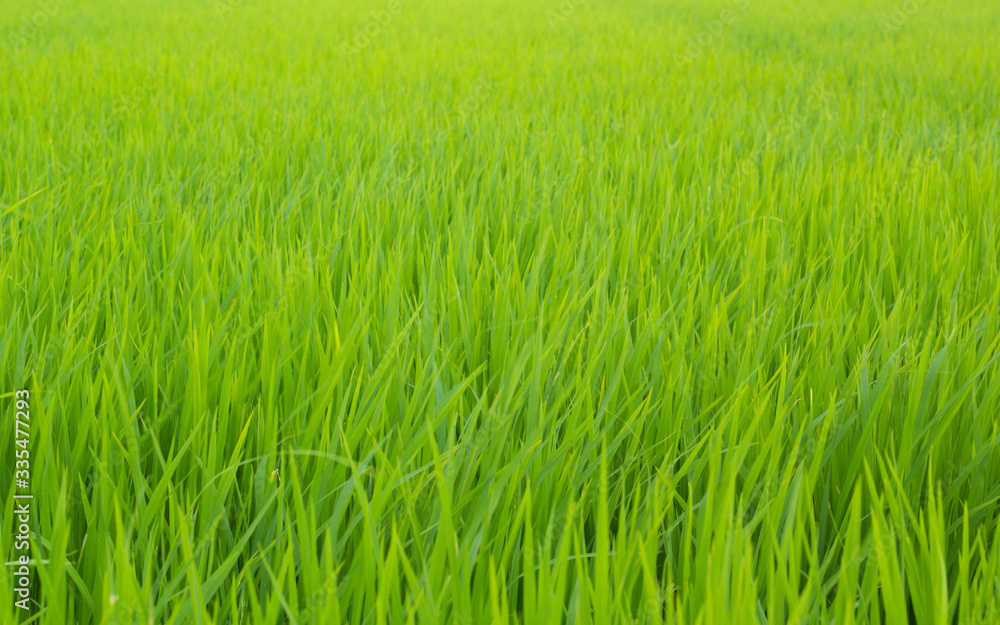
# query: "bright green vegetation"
{"points": [[504, 316]]}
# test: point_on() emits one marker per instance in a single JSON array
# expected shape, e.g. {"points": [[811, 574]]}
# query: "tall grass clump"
{"points": [[502, 312]]}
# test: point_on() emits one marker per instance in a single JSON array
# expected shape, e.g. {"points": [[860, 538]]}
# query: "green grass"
{"points": [[610, 312]]}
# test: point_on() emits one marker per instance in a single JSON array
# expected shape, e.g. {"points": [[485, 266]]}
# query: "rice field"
{"points": [[568, 311]]}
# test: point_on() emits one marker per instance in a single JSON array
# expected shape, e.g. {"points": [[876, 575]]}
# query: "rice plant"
{"points": [[569, 311]]}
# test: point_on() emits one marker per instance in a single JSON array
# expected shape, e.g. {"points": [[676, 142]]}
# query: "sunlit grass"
{"points": [[503, 311]]}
